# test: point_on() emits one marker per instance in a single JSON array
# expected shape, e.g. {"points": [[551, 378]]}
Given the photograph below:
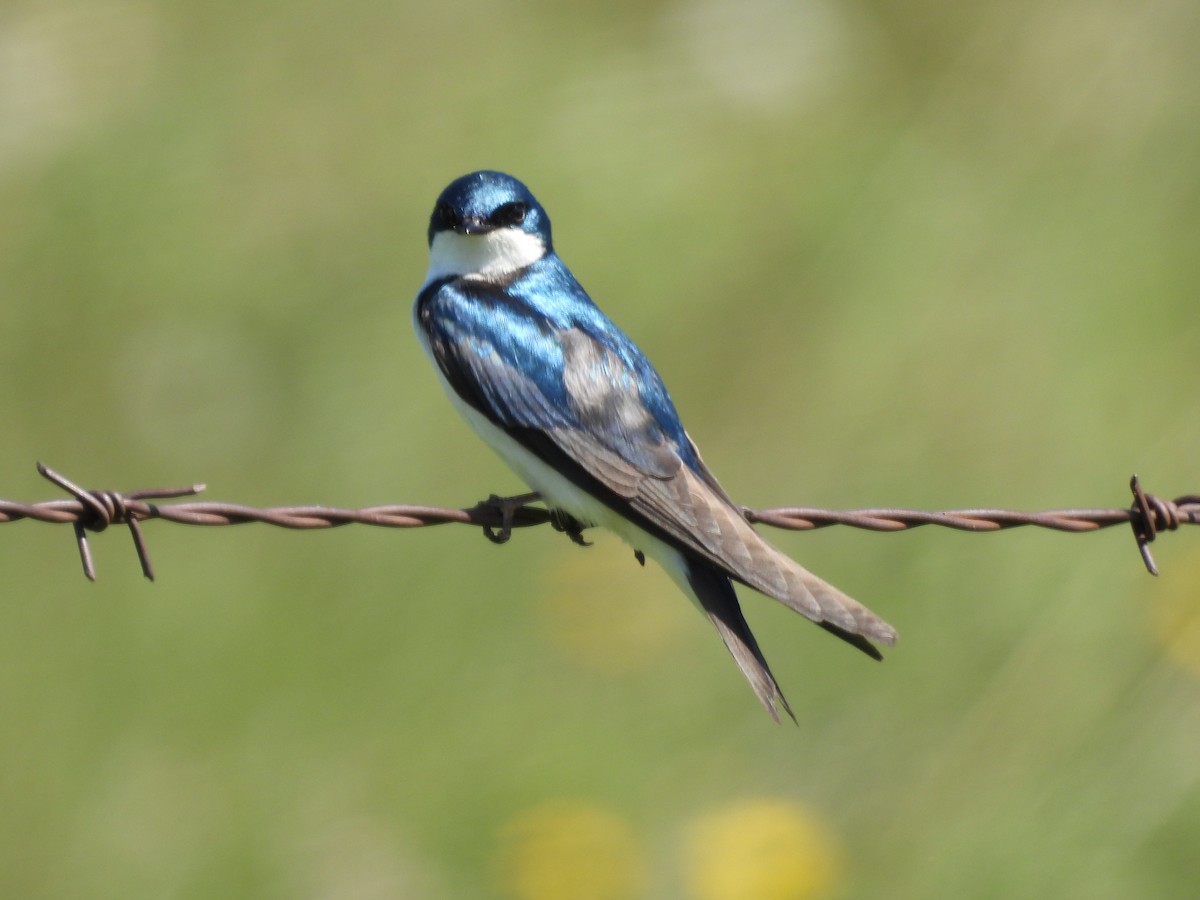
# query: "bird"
{"points": [[580, 414]]}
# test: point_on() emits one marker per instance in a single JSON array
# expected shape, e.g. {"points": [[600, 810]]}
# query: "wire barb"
{"points": [[497, 516], [99, 509], [1150, 514]]}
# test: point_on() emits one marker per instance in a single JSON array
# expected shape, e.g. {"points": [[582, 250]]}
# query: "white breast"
{"points": [[488, 256], [556, 490], [561, 493]]}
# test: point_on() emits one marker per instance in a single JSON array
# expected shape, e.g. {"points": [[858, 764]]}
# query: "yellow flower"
{"points": [[766, 850], [570, 852]]}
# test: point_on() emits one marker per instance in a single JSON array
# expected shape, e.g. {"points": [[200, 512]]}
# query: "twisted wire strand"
{"points": [[95, 510]]}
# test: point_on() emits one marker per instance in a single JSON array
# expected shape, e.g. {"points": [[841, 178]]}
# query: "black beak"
{"points": [[473, 225]]}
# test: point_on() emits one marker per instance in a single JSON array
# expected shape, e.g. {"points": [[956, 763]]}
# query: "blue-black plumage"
{"points": [[579, 412]]}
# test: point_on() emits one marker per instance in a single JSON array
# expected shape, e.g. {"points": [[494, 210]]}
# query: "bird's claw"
{"points": [[568, 525], [507, 507]]}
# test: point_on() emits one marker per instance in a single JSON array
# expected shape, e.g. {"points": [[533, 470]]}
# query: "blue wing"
{"points": [[557, 376], [574, 375], [566, 383]]}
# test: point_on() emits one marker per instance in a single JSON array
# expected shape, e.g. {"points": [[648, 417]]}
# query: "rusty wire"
{"points": [[93, 510]]}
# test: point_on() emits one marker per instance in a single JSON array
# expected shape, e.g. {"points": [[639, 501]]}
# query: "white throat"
{"points": [[488, 257]]}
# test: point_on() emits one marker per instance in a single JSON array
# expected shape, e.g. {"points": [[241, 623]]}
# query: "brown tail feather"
{"points": [[715, 593], [854, 640], [731, 542]]}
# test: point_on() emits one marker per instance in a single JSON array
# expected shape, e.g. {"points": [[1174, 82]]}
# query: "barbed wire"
{"points": [[93, 510]]}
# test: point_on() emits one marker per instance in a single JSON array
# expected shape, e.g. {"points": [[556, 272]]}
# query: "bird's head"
{"points": [[486, 225]]}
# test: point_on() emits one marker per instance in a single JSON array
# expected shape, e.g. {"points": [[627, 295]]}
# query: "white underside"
{"points": [[559, 492], [493, 256]]}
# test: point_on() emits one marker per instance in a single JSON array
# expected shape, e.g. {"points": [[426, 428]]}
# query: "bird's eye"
{"points": [[510, 214]]}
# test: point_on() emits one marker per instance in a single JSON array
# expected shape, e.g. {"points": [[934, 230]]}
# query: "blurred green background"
{"points": [[930, 254]]}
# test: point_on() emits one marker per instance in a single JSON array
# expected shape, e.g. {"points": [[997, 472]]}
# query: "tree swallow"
{"points": [[579, 413]]}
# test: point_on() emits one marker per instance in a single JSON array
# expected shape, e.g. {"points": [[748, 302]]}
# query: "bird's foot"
{"points": [[568, 525], [508, 507]]}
